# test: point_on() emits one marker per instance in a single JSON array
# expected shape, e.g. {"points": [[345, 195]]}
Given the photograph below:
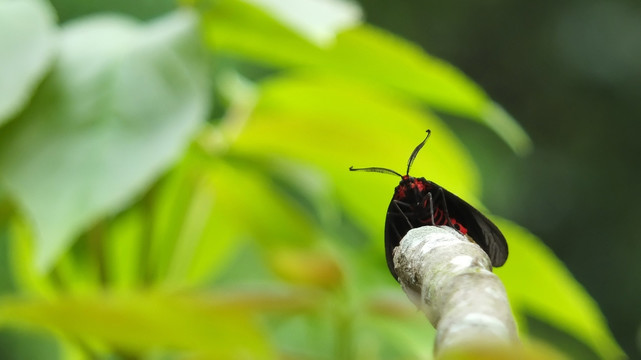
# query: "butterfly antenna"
{"points": [[376, 169], [415, 152]]}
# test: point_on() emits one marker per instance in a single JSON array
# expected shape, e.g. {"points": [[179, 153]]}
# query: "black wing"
{"points": [[397, 224], [479, 228]]}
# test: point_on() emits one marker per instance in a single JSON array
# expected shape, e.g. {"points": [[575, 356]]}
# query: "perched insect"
{"points": [[418, 202]]}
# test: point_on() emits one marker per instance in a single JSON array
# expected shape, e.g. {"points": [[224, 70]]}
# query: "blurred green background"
{"points": [[174, 184]]}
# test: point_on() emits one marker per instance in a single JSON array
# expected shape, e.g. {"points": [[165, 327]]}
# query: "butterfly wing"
{"points": [[481, 229], [405, 212], [411, 210], [396, 226]]}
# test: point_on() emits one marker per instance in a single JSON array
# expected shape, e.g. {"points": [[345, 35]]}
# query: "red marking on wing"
{"points": [[458, 226]]}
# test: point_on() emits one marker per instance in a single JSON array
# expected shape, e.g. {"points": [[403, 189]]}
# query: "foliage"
{"points": [[133, 223]]}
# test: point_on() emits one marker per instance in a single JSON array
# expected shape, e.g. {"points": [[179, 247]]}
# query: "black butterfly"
{"points": [[419, 202]]}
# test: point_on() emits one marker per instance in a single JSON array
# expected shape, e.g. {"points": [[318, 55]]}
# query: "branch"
{"points": [[450, 279]]}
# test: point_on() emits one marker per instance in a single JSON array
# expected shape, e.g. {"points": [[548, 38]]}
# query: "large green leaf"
{"points": [[27, 42], [241, 204], [539, 284], [364, 53], [118, 108], [334, 124]]}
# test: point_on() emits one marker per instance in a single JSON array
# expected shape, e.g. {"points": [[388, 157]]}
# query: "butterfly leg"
{"points": [[426, 201], [429, 196], [447, 213], [398, 207]]}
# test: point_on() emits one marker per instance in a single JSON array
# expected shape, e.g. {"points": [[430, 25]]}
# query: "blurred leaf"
{"points": [[305, 337], [80, 271], [539, 284], [411, 337], [124, 250], [333, 123], [312, 268], [27, 41], [364, 53], [21, 248], [139, 322], [165, 214], [179, 215], [7, 282], [209, 207], [317, 20], [195, 233], [118, 108], [257, 209], [17, 345]]}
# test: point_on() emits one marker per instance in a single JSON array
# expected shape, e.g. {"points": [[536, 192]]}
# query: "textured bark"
{"points": [[450, 279]]}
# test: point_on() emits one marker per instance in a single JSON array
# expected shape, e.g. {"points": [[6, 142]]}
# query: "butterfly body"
{"points": [[419, 202]]}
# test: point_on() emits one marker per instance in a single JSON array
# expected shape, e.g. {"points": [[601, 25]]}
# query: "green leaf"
{"points": [[409, 336], [364, 53], [205, 325], [333, 124], [539, 284], [195, 233], [27, 42], [208, 208], [119, 107], [21, 247], [124, 249]]}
